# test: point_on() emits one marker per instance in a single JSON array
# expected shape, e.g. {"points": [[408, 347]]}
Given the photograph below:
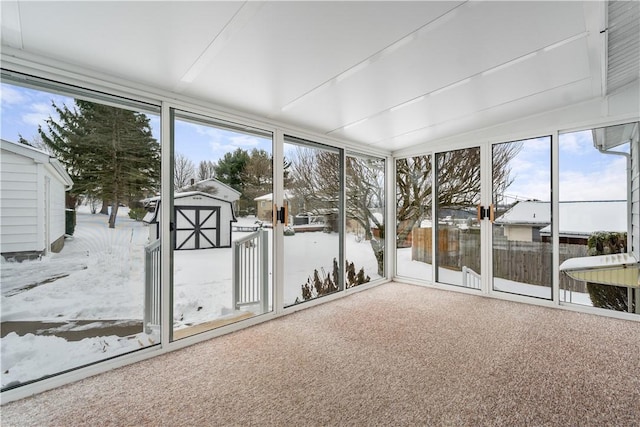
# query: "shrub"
{"points": [[69, 221], [137, 213], [606, 296], [326, 283]]}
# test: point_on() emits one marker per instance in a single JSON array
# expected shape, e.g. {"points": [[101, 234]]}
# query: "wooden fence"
{"points": [[525, 262]]}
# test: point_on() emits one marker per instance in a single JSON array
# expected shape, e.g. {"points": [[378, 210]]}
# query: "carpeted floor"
{"points": [[393, 355]]}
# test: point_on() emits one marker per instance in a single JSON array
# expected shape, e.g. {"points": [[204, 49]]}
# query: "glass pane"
{"points": [[413, 217], [457, 228], [77, 268], [312, 186], [522, 202], [598, 173], [223, 238], [364, 245]]}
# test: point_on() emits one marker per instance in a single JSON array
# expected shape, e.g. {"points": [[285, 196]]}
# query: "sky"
{"points": [[585, 174], [24, 109]]}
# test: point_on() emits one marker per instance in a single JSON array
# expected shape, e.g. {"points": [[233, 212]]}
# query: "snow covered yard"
{"points": [[97, 281]]}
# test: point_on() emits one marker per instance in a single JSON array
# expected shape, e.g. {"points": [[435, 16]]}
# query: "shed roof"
{"points": [[38, 156]]}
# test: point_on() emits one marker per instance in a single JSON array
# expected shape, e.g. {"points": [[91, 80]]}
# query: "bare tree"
{"points": [[183, 171], [206, 170], [458, 178]]}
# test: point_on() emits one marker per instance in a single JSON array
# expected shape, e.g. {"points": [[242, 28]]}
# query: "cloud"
{"points": [[11, 95], [577, 143], [37, 114]]}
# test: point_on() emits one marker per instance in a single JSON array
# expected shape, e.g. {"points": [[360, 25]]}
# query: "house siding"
{"points": [[57, 205], [19, 209]]}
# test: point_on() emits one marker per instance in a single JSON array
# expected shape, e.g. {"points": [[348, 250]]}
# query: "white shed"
{"points": [[202, 221], [32, 201]]}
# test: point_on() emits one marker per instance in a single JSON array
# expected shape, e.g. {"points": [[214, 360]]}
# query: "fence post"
{"points": [[148, 279], [236, 274], [264, 269]]}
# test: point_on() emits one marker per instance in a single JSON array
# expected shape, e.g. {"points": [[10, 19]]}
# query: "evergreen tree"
{"points": [[230, 168], [109, 152]]}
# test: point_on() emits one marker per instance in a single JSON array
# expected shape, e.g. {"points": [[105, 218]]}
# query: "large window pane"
{"points": [[457, 228], [522, 201], [223, 184], [365, 213], [413, 217], [312, 250], [75, 252], [598, 202]]}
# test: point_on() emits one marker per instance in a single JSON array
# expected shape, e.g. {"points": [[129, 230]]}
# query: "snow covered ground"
{"points": [[99, 277]]}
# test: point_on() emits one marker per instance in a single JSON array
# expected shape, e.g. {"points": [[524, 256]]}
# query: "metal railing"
{"points": [[251, 271], [151, 286], [470, 279]]}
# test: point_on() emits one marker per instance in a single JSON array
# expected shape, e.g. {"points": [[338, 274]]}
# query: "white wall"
{"points": [[21, 211], [57, 209]]}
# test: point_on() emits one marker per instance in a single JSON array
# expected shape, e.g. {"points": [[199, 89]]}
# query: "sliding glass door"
{"points": [[313, 216], [222, 236], [457, 226], [521, 232]]}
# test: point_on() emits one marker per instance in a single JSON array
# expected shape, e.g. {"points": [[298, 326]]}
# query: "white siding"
{"points": [[57, 205], [19, 208]]}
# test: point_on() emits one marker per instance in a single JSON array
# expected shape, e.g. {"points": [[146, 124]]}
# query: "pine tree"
{"points": [[109, 152]]}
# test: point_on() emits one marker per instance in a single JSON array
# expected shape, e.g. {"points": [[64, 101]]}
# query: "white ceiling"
{"points": [[386, 74]]}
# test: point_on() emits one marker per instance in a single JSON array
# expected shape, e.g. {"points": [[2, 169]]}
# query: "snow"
{"points": [[98, 278]]}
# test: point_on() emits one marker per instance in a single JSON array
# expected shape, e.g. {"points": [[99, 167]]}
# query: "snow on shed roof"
{"points": [[527, 213]]}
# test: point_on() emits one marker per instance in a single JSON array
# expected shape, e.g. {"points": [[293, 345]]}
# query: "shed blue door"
{"points": [[197, 227]]}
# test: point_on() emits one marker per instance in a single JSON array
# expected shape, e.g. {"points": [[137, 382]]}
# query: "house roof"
{"points": [[213, 182], [152, 217], [581, 219], [526, 213], [576, 218], [38, 156], [267, 197]]}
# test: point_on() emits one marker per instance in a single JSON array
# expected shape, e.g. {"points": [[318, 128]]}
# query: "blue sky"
{"points": [[24, 109], [585, 174]]}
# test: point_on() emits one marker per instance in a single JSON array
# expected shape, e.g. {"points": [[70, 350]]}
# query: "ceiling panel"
{"points": [[474, 38], [151, 42], [381, 73], [290, 48], [569, 62]]}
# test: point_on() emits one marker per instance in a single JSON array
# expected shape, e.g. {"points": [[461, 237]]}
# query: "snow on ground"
{"points": [[99, 275]]}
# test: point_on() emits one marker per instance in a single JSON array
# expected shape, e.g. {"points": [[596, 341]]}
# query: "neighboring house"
{"points": [[202, 221], [264, 206], [523, 221], [215, 188], [530, 221], [32, 201]]}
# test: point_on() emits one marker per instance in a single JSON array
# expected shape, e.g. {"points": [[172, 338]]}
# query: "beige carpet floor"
{"points": [[393, 355]]}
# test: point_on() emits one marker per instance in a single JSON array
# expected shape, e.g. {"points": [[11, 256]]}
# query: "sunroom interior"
{"points": [[305, 151]]}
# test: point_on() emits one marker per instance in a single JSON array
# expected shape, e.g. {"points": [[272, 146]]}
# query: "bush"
{"points": [[69, 221], [606, 296], [137, 213], [327, 283]]}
